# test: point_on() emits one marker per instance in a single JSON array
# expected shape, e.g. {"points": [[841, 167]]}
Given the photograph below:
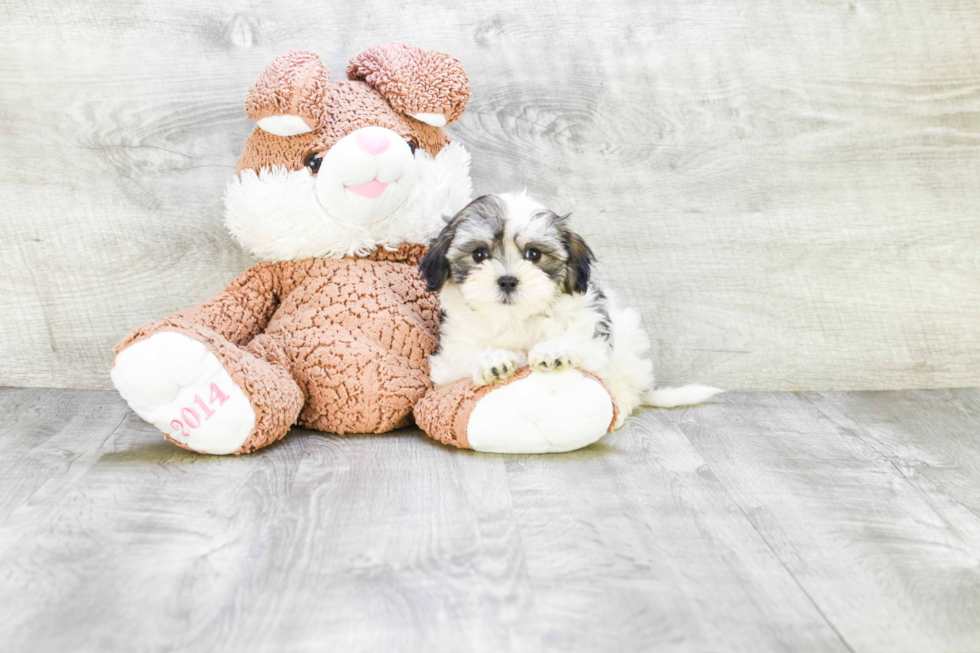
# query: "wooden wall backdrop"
{"points": [[788, 189]]}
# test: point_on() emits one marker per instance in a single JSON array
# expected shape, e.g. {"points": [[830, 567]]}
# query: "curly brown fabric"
{"points": [[295, 83], [414, 80], [337, 345]]}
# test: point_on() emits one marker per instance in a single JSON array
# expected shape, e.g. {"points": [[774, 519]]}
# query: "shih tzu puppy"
{"points": [[516, 289]]}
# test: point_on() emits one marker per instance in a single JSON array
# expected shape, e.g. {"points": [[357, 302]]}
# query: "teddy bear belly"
{"points": [[354, 383], [358, 345], [354, 388]]}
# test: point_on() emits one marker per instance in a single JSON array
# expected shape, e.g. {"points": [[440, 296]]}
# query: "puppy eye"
{"points": [[412, 145], [313, 162], [481, 255], [533, 255]]}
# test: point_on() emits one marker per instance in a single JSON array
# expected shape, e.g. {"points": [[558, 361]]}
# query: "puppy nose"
{"points": [[372, 143], [507, 283]]}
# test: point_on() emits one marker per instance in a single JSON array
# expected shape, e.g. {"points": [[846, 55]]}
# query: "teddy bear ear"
{"points": [[289, 98], [426, 85]]}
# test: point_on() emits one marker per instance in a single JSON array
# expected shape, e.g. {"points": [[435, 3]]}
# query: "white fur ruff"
{"points": [[276, 216]]}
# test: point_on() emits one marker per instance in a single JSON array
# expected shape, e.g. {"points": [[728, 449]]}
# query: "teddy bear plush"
{"points": [[338, 191]]}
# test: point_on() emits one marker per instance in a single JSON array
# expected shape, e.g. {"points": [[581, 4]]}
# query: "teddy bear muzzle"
{"points": [[366, 176]]}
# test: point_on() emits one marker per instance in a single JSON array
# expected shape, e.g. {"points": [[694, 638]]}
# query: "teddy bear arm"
{"points": [[243, 309]]}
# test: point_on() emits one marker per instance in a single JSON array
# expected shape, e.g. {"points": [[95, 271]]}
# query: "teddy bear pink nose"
{"points": [[373, 143]]}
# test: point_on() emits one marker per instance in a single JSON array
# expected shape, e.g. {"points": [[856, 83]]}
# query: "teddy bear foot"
{"points": [[173, 382], [531, 412]]}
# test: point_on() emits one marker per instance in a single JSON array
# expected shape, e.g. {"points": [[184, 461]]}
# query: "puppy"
{"points": [[516, 289]]}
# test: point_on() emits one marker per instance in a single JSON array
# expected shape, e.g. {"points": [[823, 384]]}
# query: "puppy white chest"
{"points": [[502, 329]]}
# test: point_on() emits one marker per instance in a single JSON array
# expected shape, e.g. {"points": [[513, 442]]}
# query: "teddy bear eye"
{"points": [[533, 255], [481, 255], [412, 145], [313, 162]]}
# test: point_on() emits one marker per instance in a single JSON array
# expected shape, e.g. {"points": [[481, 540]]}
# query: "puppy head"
{"points": [[508, 253]]}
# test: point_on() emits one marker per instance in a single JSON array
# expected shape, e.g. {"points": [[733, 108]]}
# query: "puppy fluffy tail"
{"points": [[633, 371], [686, 395]]}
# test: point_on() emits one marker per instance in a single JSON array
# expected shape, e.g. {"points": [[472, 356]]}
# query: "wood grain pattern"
{"points": [[634, 545], [787, 190], [761, 522], [917, 432], [847, 523]]}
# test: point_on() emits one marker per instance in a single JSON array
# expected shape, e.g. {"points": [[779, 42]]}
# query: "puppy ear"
{"points": [[290, 96], [434, 267], [426, 85], [580, 259]]}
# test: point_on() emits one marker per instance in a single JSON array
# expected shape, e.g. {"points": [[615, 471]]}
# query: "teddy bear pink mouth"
{"points": [[371, 190]]}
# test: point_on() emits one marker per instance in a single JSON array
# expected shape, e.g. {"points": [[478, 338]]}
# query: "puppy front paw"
{"points": [[554, 355], [497, 365]]}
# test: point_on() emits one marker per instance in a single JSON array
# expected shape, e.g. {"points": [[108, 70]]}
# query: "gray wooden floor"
{"points": [[816, 522]]}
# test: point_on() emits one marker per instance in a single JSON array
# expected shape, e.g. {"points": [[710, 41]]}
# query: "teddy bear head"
{"points": [[343, 167]]}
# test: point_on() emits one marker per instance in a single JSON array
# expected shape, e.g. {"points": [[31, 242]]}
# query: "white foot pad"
{"points": [[176, 384], [545, 412]]}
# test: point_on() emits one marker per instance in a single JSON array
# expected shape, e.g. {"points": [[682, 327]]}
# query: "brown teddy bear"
{"points": [[338, 190]]}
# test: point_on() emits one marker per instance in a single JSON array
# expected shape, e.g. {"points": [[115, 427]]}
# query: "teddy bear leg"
{"points": [[531, 412], [203, 392]]}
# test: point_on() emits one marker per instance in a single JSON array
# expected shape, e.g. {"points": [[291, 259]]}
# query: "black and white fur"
{"points": [[516, 289]]}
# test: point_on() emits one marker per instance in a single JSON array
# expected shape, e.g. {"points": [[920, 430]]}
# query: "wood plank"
{"points": [[365, 543], [931, 436], [391, 543], [144, 547], [891, 569], [48, 440], [787, 191], [634, 545], [759, 522]]}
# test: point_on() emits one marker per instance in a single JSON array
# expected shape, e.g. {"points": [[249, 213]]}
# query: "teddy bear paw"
{"points": [[541, 413], [497, 365], [175, 383]]}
